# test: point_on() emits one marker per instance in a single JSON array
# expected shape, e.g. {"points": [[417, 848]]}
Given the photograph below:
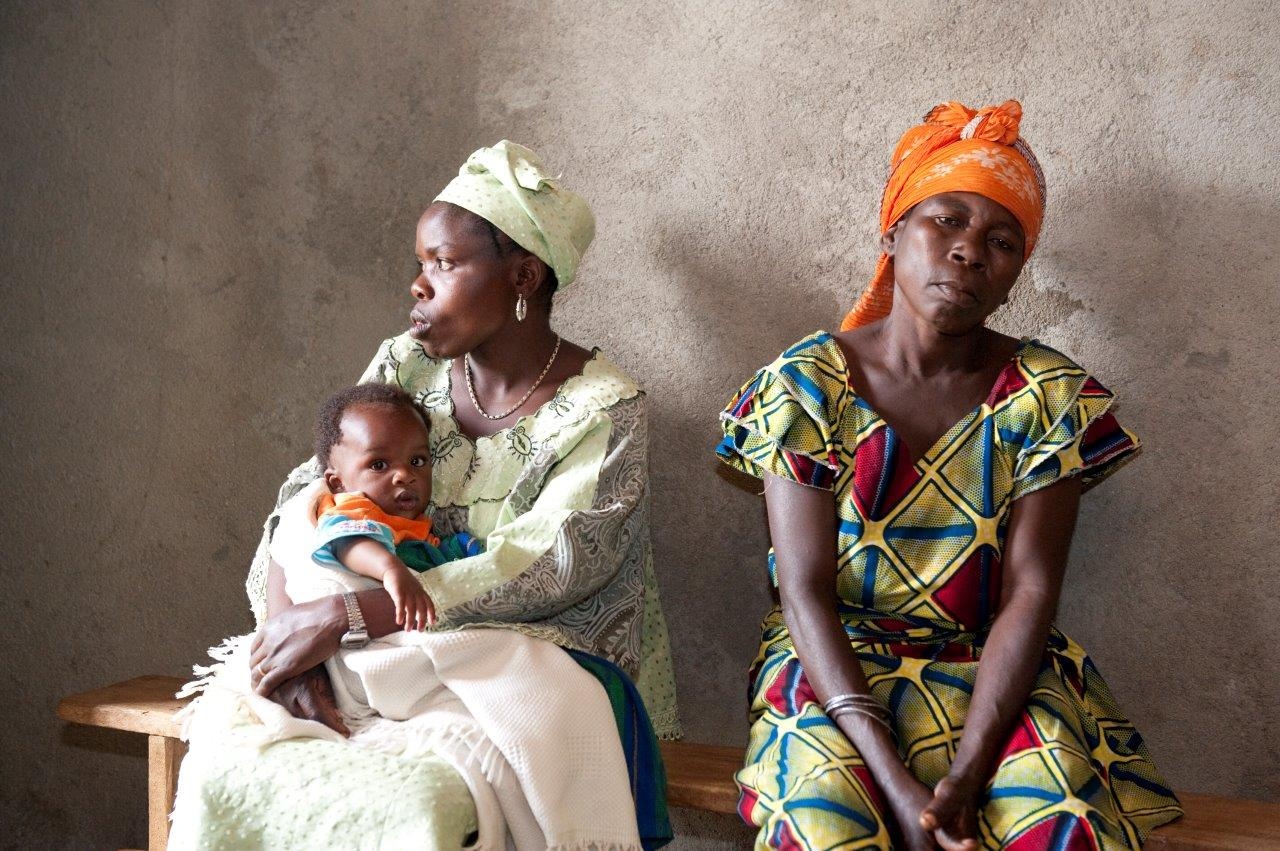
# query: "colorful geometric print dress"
{"points": [[919, 566]]}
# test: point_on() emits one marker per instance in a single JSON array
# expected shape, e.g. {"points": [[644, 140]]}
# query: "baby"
{"points": [[373, 442]]}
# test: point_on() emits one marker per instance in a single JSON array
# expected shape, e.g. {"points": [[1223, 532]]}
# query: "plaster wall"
{"points": [[206, 215]]}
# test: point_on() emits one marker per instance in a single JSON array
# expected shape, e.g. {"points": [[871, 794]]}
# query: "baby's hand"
{"points": [[414, 609]]}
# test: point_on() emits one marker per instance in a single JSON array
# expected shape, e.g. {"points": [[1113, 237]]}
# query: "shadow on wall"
{"points": [[708, 518], [231, 176], [1172, 281]]}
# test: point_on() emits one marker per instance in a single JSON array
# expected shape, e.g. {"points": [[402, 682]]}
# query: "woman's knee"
{"points": [[804, 789]]}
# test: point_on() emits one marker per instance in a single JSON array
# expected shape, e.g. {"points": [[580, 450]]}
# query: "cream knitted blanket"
{"points": [[530, 732]]}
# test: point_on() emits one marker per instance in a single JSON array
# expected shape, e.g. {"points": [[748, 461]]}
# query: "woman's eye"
{"points": [[378, 466], [949, 221], [418, 461], [1003, 244]]}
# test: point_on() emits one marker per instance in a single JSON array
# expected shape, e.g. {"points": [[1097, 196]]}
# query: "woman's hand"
{"points": [[294, 641], [908, 798], [309, 696], [952, 815]]}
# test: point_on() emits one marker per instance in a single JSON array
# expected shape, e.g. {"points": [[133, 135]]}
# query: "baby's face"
{"points": [[383, 454]]}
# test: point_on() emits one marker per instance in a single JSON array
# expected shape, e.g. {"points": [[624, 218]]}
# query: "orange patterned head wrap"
{"points": [[956, 150]]}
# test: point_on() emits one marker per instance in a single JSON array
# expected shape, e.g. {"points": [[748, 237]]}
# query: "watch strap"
{"points": [[357, 634]]}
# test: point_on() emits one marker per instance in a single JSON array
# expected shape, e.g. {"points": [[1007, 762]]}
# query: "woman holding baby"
{"points": [[537, 448]]}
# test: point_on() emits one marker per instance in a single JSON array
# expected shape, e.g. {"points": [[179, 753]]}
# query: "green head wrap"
{"points": [[508, 185]]}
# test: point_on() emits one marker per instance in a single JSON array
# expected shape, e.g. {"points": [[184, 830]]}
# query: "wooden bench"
{"points": [[698, 776]]}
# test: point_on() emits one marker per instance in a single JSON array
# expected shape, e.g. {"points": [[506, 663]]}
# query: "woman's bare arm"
{"points": [[802, 526], [300, 636], [1035, 559], [289, 650]]}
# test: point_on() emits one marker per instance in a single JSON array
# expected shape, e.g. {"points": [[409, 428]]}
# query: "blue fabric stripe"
{"points": [[934, 675], [1119, 772], [886, 473], [645, 770], [930, 533], [803, 383], [793, 683], [1025, 792], [869, 577], [833, 807], [988, 468], [852, 528], [1014, 436], [1063, 831]]}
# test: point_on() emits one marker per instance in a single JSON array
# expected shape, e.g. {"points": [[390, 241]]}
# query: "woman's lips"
{"points": [[957, 294], [418, 327]]}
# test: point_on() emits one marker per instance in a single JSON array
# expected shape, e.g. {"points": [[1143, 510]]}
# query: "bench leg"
{"points": [[164, 755]]}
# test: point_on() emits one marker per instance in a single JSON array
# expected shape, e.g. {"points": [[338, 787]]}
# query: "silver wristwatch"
{"points": [[357, 635]]}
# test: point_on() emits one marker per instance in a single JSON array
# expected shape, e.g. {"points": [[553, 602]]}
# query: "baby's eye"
{"points": [[378, 466], [418, 461], [443, 264]]}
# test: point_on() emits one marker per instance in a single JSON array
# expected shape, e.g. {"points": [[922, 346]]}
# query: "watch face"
{"points": [[354, 639]]}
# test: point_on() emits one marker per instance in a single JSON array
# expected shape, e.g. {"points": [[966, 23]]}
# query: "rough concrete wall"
{"points": [[207, 212]]}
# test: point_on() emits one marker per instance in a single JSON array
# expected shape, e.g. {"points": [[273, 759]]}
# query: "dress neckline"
{"points": [[521, 422], [959, 425]]}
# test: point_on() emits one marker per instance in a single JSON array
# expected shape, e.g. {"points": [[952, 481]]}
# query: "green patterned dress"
{"points": [[919, 574]]}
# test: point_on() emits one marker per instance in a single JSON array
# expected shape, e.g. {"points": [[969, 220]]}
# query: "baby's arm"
{"points": [[371, 558], [367, 547]]}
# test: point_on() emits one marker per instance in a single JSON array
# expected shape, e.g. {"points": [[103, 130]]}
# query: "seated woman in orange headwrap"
{"points": [[922, 475]]}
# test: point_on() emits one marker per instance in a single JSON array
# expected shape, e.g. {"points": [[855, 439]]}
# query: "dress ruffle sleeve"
{"points": [[780, 423], [1071, 432]]}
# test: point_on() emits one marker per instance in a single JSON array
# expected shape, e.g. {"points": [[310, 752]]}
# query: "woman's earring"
{"points": [[521, 308]]}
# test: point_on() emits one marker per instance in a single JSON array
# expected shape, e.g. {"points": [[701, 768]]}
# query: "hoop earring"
{"points": [[522, 308]]}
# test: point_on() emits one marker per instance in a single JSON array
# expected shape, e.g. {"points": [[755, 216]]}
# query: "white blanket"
{"points": [[531, 733]]}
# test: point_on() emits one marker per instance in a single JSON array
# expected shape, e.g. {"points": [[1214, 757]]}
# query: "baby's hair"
{"points": [[329, 424]]}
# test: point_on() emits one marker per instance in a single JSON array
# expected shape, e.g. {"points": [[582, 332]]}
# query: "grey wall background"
{"points": [[206, 215]]}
